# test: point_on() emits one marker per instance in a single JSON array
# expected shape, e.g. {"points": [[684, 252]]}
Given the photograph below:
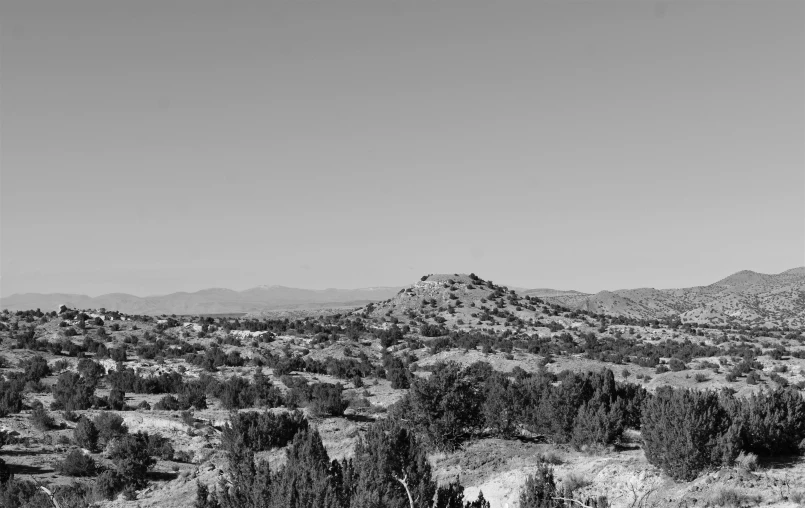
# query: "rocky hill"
{"points": [[745, 297], [467, 302]]}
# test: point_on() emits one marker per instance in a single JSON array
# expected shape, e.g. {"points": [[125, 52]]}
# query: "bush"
{"points": [[35, 368], [10, 397], [108, 484], [132, 460], [72, 393], [74, 495], [158, 446], [747, 461], [117, 399], [574, 482], [21, 494], [539, 489], [500, 409], [5, 472], [41, 419], [109, 426], [327, 399], [389, 451], [772, 423], [262, 431], [597, 424], [397, 373], [686, 432], [447, 406], [676, 364], [732, 498], [167, 403], [76, 464], [90, 370], [70, 416], [86, 434]]}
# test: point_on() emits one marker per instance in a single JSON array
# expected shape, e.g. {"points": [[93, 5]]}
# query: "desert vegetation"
{"points": [[436, 397]]}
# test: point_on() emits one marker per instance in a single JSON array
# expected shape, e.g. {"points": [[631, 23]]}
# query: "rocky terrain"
{"points": [[647, 338], [745, 297]]}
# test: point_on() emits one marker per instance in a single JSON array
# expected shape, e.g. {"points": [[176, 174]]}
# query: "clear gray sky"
{"points": [[158, 146]]}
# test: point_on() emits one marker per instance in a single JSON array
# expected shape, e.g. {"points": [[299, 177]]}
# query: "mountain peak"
{"points": [[741, 278]]}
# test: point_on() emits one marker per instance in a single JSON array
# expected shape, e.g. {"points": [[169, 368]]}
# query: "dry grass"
{"points": [[733, 498], [747, 461], [574, 481]]}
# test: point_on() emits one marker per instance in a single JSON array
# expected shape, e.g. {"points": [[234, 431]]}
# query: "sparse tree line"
{"points": [[389, 468], [684, 432]]}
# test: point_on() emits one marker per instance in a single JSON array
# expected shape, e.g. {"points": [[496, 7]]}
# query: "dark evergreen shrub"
{"points": [[132, 460], [597, 424], [327, 399], [686, 432], [109, 425], [117, 399], [772, 423], [86, 434], [539, 489], [72, 393], [77, 464], [447, 406], [108, 484], [387, 454], [262, 431]]}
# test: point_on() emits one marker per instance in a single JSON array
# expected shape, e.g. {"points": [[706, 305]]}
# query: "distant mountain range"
{"points": [[746, 297], [206, 301]]}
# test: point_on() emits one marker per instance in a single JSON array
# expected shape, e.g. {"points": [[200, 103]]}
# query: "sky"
{"points": [[157, 146]]}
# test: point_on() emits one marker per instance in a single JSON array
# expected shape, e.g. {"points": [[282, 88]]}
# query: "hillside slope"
{"points": [[744, 297]]}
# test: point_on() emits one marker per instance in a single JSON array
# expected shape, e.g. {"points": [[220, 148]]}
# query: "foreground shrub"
{"points": [[74, 495], [596, 424], [447, 406], [16, 493], [306, 480], [686, 432], [387, 452], [539, 489], [772, 423]]}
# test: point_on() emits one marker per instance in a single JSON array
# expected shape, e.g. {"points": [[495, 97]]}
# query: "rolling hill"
{"points": [[746, 297]]}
